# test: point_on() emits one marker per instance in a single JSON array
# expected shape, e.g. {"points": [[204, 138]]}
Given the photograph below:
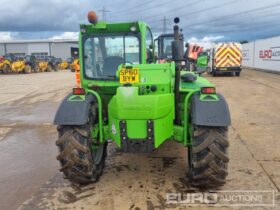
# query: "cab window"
{"points": [[104, 53], [149, 46]]}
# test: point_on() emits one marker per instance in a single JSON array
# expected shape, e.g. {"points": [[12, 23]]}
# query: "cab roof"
{"points": [[104, 27]]}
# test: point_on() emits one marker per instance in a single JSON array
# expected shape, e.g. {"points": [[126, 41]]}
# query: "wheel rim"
{"points": [[27, 69]]}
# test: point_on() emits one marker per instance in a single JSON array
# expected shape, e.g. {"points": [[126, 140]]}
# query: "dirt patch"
{"points": [[131, 181], [4, 131]]}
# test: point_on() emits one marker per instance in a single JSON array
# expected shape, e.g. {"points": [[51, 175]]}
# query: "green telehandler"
{"points": [[128, 98]]}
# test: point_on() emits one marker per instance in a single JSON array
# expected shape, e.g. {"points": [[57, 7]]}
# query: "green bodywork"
{"points": [[137, 103], [202, 61]]}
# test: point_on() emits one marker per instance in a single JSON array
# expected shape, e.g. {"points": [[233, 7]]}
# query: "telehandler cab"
{"points": [[125, 96]]}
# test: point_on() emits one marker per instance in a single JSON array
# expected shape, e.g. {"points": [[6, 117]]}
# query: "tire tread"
{"points": [[209, 158]]}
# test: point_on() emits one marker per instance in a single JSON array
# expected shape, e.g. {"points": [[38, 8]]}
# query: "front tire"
{"points": [[208, 160], [49, 68], [27, 69], [79, 163]]}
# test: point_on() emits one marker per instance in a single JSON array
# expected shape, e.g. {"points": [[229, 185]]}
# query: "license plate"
{"points": [[129, 76], [223, 69]]}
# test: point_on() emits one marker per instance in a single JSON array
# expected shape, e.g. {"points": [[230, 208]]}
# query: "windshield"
{"points": [[103, 54], [167, 42], [166, 47]]}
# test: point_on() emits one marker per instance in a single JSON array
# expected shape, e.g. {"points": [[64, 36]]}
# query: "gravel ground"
{"points": [[131, 181]]}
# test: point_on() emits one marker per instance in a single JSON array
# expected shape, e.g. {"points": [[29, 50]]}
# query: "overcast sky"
{"points": [[201, 20]]}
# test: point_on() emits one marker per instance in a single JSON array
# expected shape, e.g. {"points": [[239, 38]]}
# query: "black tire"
{"points": [[6, 69], [214, 73], [79, 163], [208, 160], [237, 74], [27, 69], [36, 68], [49, 68]]}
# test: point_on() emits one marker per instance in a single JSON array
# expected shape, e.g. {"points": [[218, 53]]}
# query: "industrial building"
{"points": [[59, 48]]}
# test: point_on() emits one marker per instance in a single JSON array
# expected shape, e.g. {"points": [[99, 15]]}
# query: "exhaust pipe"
{"points": [[178, 57]]}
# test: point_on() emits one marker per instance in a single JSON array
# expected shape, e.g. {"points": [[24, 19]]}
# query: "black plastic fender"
{"points": [[210, 113], [73, 112]]}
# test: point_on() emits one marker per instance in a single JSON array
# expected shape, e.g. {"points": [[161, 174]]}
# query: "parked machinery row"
{"points": [[11, 63]]}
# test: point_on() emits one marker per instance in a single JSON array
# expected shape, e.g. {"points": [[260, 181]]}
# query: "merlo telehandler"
{"points": [[128, 98]]}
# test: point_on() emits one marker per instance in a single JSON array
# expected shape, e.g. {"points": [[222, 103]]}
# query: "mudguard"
{"points": [[210, 113], [74, 112]]}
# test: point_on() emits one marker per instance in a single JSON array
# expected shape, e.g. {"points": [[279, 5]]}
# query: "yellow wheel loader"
{"points": [[6, 64], [13, 64], [63, 65], [30, 64], [74, 65], [18, 66], [43, 65]]}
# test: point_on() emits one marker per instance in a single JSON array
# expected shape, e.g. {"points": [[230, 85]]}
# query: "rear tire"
{"points": [[27, 69], [214, 73], [79, 163], [208, 160], [237, 74], [6, 69], [36, 68]]}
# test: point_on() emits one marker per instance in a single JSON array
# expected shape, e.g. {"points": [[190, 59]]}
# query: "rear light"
{"points": [[208, 90], [79, 91]]}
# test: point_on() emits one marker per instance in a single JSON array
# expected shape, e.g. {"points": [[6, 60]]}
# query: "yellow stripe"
{"points": [[237, 49], [217, 55], [227, 60], [221, 55], [227, 63], [219, 62], [230, 55]]}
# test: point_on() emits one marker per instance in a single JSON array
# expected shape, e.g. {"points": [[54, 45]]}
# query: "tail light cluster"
{"points": [[208, 90], [79, 91]]}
